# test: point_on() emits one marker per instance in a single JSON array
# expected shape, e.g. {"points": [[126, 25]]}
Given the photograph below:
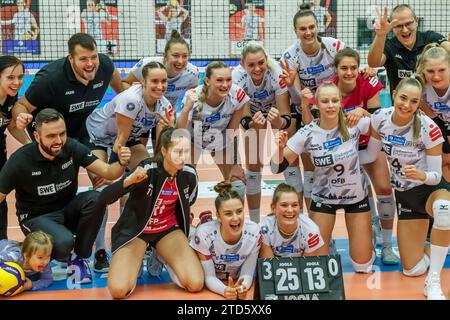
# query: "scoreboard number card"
{"points": [[300, 278]]}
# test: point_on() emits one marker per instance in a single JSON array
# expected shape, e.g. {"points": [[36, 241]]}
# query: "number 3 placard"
{"points": [[300, 278]]}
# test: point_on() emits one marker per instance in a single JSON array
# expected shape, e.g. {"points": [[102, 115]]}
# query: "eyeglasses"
{"points": [[408, 25]]}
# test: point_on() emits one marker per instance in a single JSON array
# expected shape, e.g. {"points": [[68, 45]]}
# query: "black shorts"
{"points": [[362, 206], [153, 238], [411, 203]]}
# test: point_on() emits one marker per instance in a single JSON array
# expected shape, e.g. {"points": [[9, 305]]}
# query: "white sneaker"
{"points": [[432, 288]]}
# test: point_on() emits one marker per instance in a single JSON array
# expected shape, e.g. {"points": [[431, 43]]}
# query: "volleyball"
{"points": [[12, 279]]}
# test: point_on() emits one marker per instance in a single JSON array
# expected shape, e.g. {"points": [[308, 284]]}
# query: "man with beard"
{"points": [[74, 85], [399, 54], [44, 175]]}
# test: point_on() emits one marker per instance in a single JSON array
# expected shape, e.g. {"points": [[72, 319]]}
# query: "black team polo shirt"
{"points": [[5, 114], [55, 86], [41, 185], [400, 61]]}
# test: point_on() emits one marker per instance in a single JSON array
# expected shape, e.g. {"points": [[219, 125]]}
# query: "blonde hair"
{"points": [[432, 51], [342, 123], [255, 47], [34, 241], [415, 82]]}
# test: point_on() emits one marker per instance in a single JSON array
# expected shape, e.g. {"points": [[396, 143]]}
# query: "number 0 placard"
{"points": [[300, 278]]}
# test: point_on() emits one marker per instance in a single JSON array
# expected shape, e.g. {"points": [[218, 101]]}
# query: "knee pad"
{"points": [[365, 267], [308, 179], [419, 269], [386, 207], [441, 214], [239, 187], [253, 182], [293, 177]]}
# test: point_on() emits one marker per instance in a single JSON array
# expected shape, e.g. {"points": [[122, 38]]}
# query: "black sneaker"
{"points": [[101, 261]]}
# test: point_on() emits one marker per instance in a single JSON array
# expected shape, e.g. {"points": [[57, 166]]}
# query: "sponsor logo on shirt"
{"points": [[399, 56], [441, 106], [397, 140], [287, 55], [130, 106], [313, 240], [76, 107], [261, 95], [146, 122], [68, 93], [387, 149], [435, 133], [167, 192], [46, 190], [213, 118], [229, 257], [171, 88], [316, 69], [67, 164], [97, 85], [220, 267], [404, 73], [36, 173], [323, 161], [287, 249], [332, 143], [310, 83]]}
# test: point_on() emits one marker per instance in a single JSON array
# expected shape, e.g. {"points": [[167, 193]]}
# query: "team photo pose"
{"points": [[413, 145], [161, 191], [228, 246], [361, 98], [433, 67], [212, 113], [286, 232], [260, 77], [340, 183]]}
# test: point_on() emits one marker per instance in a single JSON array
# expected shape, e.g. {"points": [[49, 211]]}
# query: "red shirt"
{"points": [[163, 216], [365, 90]]}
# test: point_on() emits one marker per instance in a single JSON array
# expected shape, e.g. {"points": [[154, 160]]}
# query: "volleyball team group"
{"points": [[325, 112]]}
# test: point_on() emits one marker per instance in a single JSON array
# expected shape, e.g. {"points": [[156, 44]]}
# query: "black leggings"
{"points": [[81, 218]]}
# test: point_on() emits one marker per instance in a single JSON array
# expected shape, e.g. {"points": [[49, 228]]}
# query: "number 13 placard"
{"points": [[302, 278]]}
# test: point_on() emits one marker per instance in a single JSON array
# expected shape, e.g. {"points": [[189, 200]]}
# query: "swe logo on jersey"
{"points": [[213, 118], [261, 95], [323, 161], [288, 249], [387, 149], [310, 83], [332, 143], [396, 140], [171, 88], [441, 106], [229, 257], [404, 74], [316, 69]]}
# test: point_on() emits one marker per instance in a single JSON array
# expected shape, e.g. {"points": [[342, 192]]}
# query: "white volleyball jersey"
{"points": [[400, 147], [177, 85], [306, 240], [101, 123], [313, 71], [338, 176], [208, 125], [228, 259], [262, 97], [439, 105]]}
